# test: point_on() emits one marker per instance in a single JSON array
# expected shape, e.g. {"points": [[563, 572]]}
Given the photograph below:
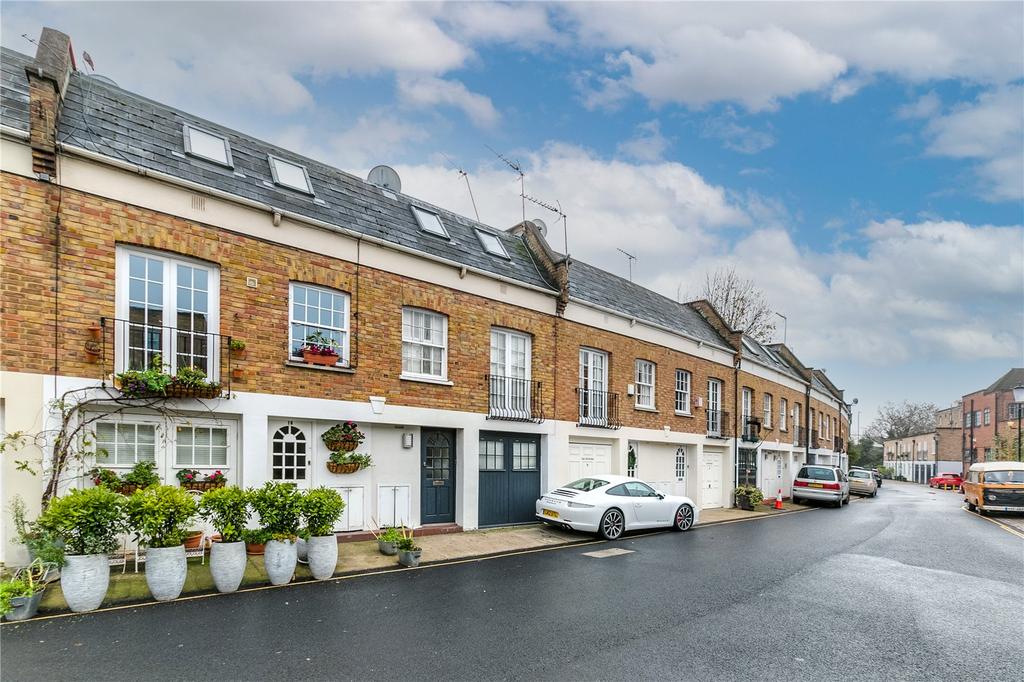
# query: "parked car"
{"points": [[995, 486], [943, 480], [611, 505], [862, 482], [821, 483], [874, 472]]}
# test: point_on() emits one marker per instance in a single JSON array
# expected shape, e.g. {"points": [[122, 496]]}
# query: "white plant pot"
{"points": [[84, 581], [323, 556], [227, 565], [279, 559], [300, 550], [166, 569]]}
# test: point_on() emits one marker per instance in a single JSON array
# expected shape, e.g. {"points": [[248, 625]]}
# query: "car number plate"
{"points": [[815, 485], [549, 512]]}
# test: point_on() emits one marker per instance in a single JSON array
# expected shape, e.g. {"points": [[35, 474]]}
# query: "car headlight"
{"points": [[580, 505]]}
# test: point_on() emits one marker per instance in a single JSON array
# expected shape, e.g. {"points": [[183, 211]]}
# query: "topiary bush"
{"points": [[228, 510], [161, 515], [322, 507], [88, 521]]}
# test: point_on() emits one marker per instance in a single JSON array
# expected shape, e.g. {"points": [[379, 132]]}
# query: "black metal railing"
{"points": [[598, 408], [513, 399], [800, 436], [751, 429], [718, 423], [129, 345], [815, 440]]}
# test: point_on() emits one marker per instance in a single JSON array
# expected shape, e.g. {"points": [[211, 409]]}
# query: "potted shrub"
{"points": [[41, 545], [20, 595], [748, 497], [161, 516], [408, 553], [142, 475], [105, 477], [280, 508], [255, 541], [343, 437], [322, 507], [318, 349], [237, 347], [88, 522], [387, 541], [227, 510], [347, 462]]}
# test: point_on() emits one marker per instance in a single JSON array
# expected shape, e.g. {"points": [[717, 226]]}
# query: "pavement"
{"points": [[906, 586], [129, 587]]}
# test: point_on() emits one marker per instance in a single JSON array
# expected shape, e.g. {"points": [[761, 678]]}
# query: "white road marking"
{"points": [[605, 553]]}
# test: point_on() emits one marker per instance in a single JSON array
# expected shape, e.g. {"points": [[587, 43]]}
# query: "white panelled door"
{"points": [[352, 517], [587, 459], [712, 481], [393, 506], [291, 452]]}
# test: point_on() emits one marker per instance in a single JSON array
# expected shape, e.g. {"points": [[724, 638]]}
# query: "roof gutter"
{"points": [[8, 131], [297, 217], [655, 325]]}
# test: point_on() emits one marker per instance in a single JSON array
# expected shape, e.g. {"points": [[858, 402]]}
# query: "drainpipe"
{"points": [[807, 425], [735, 418]]}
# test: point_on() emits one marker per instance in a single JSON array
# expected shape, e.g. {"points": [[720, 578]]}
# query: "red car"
{"points": [[954, 481]]}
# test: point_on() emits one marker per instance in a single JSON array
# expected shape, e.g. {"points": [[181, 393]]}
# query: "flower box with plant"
{"points": [[348, 462], [408, 553], [237, 347], [227, 510], [188, 382], [161, 516], [280, 506], [387, 540], [748, 497], [139, 477], [321, 508], [192, 382], [344, 437], [20, 594], [193, 479], [88, 522], [319, 349]]}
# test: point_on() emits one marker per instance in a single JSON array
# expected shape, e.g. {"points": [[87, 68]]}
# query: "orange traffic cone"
{"points": [[778, 500]]}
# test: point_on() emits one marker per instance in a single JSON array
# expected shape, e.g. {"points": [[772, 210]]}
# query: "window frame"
{"points": [[987, 416], [716, 408], [586, 395], [416, 213], [420, 376], [637, 368], [766, 408], [169, 306], [273, 160], [783, 416], [481, 235], [186, 132], [680, 460], [344, 360], [173, 464], [682, 373], [508, 397]]}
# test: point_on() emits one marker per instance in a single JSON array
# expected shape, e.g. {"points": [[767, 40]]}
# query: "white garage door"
{"points": [[587, 459], [712, 481]]}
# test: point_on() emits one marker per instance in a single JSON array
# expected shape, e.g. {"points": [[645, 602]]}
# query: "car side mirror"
{"points": [[661, 495]]}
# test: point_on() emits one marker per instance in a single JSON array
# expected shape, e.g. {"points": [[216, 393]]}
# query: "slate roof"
{"points": [[769, 358], [13, 89], [593, 285], [1007, 382]]}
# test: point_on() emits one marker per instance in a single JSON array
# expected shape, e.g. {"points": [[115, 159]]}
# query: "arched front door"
{"points": [[437, 497]]}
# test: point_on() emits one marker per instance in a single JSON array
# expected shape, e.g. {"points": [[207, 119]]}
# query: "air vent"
{"points": [[198, 203]]}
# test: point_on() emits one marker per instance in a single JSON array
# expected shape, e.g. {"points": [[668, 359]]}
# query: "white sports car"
{"points": [[611, 505]]}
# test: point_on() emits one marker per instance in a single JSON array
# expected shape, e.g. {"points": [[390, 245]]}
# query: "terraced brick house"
{"points": [[482, 365]]}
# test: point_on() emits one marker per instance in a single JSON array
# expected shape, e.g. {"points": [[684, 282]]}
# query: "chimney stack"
{"points": [[47, 81]]}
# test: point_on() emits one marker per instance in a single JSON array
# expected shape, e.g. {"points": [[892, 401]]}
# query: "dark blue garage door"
{"points": [[509, 478]]}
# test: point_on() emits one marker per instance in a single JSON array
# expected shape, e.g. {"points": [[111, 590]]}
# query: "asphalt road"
{"points": [[903, 587]]}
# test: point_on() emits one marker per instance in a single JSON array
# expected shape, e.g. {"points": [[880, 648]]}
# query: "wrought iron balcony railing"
{"points": [[598, 408], [197, 361], [512, 399], [751, 429], [718, 423]]}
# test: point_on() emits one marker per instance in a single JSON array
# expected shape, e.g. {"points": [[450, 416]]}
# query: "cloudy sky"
{"points": [[864, 163]]}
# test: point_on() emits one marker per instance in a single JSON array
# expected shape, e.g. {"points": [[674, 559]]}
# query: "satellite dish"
{"points": [[386, 177], [542, 227], [103, 79]]}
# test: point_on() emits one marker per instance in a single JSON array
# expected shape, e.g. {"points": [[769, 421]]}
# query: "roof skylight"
{"points": [[288, 174], [492, 244], [429, 222], [207, 145], [750, 346]]}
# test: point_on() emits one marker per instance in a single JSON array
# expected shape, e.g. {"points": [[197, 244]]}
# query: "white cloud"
{"points": [[991, 130], [734, 135], [647, 143], [427, 91], [925, 106], [525, 24]]}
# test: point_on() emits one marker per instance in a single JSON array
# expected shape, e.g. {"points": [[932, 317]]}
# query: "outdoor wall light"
{"points": [[407, 440]]}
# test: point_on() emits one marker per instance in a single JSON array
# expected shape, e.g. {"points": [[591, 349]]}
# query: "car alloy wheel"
{"points": [[612, 524], [684, 518]]}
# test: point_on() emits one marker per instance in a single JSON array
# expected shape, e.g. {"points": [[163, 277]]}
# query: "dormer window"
{"points": [[492, 244], [429, 222], [206, 145], [290, 175]]}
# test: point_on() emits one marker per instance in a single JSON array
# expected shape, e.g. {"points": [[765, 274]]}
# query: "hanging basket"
{"points": [[341, 444], [349, 468], [203, 485], [201, 392]]}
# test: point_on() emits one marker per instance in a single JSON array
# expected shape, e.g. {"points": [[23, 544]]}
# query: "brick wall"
{"points": [[760, 386]]}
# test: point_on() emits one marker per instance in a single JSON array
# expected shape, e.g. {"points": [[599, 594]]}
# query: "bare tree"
{"points": [[902, 420], [740, 303]]}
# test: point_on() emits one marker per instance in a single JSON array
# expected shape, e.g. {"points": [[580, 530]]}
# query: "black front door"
{"points": [[509, 478], [437, 496], [746, 467]]}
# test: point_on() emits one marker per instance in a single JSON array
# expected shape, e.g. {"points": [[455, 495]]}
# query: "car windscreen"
{"points": [[1007, 476], [817, 474], [586, 484], [860, 474]]}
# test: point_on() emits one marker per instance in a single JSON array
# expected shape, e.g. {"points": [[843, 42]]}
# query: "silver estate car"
{"points": [[821, 483], [863, 482]]}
